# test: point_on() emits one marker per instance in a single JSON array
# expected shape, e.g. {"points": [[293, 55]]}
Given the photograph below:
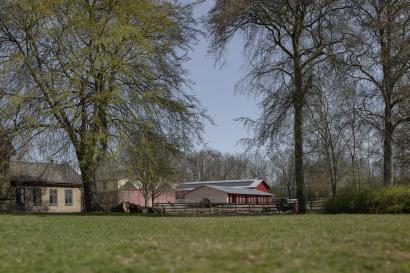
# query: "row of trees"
{"points": [[306, 58], [358, 164], [211, 165], [87, 80]]}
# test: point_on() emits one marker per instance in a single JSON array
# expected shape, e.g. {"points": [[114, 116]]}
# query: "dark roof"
{"points": [[237, 190], [43, 173], [248, 183]]}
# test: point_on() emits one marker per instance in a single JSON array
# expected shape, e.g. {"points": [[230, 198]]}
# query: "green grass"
{"points": [[291, 243]]}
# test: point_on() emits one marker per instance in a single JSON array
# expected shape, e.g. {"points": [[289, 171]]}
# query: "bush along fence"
{"points": [[378, 200], [276, 207]]}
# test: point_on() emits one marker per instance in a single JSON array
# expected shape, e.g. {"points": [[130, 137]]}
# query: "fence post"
{"points": [[222, 207], [235, 207]]}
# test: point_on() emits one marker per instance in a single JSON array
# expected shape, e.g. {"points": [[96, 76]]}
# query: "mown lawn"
{"points": [[292, 243]]}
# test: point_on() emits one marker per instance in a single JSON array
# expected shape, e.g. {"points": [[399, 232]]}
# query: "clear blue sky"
{"points": [[214, 86]]}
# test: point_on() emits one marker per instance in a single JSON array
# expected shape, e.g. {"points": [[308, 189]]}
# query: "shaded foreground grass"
{"points": [[288, 243]]}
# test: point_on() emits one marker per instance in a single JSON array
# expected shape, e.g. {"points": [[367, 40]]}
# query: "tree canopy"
{"points": [[82, 72]]}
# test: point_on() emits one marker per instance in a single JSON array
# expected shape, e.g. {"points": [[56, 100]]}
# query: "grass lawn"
{"points": [[292, 243]]}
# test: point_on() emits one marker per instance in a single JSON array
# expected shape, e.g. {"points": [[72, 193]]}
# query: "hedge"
{"points": [[378, 200]]}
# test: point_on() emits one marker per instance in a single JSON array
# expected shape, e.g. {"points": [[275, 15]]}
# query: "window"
{"points": [[53, 197], [68, 197], [37, 196], [20, 197]]}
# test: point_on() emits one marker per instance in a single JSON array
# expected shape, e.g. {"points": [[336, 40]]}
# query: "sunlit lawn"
{"points": [[287, 243]]}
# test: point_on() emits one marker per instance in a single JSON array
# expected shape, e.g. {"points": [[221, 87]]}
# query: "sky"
{"points": [[214, 86]]}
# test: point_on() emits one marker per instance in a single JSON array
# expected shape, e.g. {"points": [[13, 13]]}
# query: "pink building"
{"points": [[129, 192]]}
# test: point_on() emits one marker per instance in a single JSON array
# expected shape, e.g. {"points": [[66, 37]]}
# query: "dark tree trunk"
{"points": [[335, 175], [335, 178], [299, 176], [298, 139], [387, 149], [89, 186], [387, 61]]}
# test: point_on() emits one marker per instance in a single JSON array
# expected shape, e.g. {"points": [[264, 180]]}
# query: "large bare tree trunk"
{"points": [[89, 186], [299, 175], [387, 148], [88, 168], [298, 139]]}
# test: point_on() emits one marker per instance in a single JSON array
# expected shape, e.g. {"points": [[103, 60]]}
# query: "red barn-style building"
{"points": [[225, 191]]}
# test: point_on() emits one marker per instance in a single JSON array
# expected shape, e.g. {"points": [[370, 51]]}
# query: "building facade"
{"points": [[225, 191], [130, 192], [45, 187], [114, 187]]}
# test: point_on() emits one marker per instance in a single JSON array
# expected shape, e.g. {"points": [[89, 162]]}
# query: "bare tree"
{"points": [[378, 48], [146, 158], [284, 171], [326, 124], [209, 164], [285, 41]]}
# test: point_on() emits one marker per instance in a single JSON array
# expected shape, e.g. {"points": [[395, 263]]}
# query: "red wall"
{"points": [[245, 199], [263, 187]]}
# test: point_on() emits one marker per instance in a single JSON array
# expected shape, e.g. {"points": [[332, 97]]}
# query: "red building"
{"points": [[226, 191]]}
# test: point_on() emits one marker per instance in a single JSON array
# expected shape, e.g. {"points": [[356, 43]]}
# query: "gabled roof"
{"points": [[43, 173], [236, 190], [247, 183], [126, 184]]}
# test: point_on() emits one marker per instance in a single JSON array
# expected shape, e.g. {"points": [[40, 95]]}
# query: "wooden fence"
{"points": [[231, 209], [316, 205]]}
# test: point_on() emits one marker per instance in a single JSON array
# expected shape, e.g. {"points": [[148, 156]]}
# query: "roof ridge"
{"points": [[237, 190], [221, 181]]}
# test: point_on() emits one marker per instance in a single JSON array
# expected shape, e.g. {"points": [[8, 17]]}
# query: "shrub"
{"points": [[378, 200]]}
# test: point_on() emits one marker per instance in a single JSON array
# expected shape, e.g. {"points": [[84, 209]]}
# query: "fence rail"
{"points": [[316, 205], [236, 208]]}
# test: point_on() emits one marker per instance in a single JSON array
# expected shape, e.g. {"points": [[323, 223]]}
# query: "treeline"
{"points": [[361, 174], [210, 165]]}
